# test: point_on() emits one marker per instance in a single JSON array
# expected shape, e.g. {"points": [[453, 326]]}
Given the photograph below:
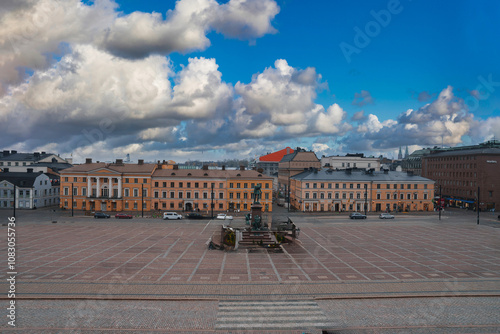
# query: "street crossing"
{"points": [[270, 315]]}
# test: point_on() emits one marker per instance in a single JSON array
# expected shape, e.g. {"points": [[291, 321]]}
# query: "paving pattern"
{"points": [[148, 275], [100, 251]]}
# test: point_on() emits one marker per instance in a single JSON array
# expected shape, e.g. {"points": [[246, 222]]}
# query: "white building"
{"points": [[12, 161], [350, 161], [33, 190]]}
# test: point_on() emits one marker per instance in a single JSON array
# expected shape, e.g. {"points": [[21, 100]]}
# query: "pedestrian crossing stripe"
{"points": [[261, 315]]}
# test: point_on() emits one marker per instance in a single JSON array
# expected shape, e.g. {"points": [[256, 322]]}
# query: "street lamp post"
{"points": [[14, 213], [478, 189], [142, 200], [440, 201], [72, 192], [212, 203], [366, 197]]}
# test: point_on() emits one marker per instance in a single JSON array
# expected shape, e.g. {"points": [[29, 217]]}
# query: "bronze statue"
{"points": [[257, 194]]}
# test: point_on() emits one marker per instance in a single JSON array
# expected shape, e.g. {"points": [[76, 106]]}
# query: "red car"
{"points": [[123, 216]]}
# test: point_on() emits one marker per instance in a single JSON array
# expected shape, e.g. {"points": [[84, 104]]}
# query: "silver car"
{"points": [[386, 216]]}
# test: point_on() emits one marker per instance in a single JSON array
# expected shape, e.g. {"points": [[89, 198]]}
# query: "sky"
{"points": [[213, 80]]}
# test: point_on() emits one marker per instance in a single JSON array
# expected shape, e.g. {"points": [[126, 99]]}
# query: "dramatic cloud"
{"points": [[139, 34], [282, 95], [444, 120], [34, 31], [93, 96], [362, 99]]}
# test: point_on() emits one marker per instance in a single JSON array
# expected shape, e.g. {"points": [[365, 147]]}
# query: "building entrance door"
{"points": [[103, 206]]}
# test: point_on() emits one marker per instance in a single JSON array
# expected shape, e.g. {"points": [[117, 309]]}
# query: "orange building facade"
{"points": [[116, 187], [351, 190]]}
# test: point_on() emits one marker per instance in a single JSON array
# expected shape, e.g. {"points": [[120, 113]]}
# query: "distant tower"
{"points": [[400, 154], [128, 158], [406, 152]]}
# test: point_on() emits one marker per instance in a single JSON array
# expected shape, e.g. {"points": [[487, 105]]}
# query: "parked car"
{"points": [[194, 216], [123, 216], [224, 216], [386, 216], [101, 215], [357, 215], [171, 215]]}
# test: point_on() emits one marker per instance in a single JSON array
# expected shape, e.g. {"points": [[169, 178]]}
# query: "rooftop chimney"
{"points": [[29, 170], [44, 152], [13, 152], [140, 162], [176, 167], [242, 167], [6, 153], [386, 171], [205, 167], [88, 160], [119, 161], [223, 167]]}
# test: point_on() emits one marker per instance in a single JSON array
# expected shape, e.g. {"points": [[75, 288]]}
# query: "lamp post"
{"points": [[72, 192], [142, 200], [212, 202], [14, 213], [478, 189], [366, 197], [440, 201]]}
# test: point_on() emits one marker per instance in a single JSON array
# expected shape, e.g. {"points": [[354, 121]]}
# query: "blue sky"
{"points": [[258, 75]]}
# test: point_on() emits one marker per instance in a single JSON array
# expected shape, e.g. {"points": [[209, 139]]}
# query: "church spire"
{"points": [[406, 152], [400, 154]]}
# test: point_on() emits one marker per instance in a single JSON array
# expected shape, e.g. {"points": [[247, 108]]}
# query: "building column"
{"points": [[110, 187], [31, 197], [98, 192], [120, 187], [89, 187]]}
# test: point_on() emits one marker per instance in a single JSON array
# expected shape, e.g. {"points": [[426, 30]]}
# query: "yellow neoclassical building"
{"points": [[118, 187]]}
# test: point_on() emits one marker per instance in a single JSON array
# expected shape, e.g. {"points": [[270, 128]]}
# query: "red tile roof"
{"points": [[276, 156]]}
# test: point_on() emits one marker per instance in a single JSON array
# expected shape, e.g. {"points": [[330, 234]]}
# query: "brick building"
{"points": [[461, 171], [293, 164]]}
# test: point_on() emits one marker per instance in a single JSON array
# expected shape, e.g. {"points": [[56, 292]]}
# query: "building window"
{"points": [[307, 195], [336, 195], [164, 184], [75, 191], [378, 196], [144, 180], [156, 184], [66, 191], [172, 185], [172, 194], [307, 185], [221, 195], [136, 192], [388, 196], [135, 206], [164, 194], [157, 194]]}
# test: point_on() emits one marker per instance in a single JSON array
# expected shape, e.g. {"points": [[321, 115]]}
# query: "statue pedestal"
{"points": [[256, 211]]}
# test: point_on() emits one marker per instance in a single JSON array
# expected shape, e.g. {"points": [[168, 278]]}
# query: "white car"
{"points": [[386, 216], [224, 216], [171, 215]]}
